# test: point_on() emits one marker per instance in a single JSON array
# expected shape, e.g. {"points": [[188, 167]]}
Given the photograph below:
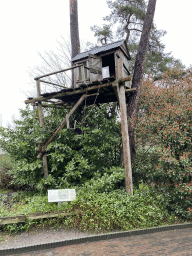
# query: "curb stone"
{"points": [[93, 238]]}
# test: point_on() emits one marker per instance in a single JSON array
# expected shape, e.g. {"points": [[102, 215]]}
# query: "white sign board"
{"points": [[61, 195], [105, 72]]}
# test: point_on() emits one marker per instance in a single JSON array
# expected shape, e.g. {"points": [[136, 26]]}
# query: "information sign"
{"points": [[61, 195]]}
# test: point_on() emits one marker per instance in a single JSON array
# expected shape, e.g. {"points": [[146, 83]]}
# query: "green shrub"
{"points": [[113, 178], [73, 157], [170, 177], [6, 164], [117, 210]]}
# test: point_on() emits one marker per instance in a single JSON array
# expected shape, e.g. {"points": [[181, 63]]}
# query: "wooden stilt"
{"points": [[125, 139], [41, 119], [67, 120]]}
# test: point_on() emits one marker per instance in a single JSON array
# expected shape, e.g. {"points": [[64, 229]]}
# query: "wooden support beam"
{"points": [[130, 90], [41, 119], [59, 105], [54, 106], [125, 139], [56, 103], [62, 125], [121, 81]]}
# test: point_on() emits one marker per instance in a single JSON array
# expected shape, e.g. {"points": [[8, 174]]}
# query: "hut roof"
{"points": [[100, 49]]}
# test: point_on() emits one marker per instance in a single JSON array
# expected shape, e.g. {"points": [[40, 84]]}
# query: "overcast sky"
{"points": [[32, 26]]}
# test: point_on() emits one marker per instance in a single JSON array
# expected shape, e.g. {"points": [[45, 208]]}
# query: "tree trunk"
{"points": [[138, 75], [74, 30]]}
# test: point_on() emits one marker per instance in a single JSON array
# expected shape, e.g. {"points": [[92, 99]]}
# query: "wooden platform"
{"points": [[98, 92]]}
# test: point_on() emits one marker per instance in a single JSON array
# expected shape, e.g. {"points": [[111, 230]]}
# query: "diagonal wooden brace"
{"points": [[62, 124]]}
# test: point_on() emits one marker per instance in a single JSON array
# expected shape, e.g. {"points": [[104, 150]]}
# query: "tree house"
{"points": [[101, 75], [110, 60]]}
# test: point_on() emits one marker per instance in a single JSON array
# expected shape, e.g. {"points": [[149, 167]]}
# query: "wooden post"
{"points": [[83, 74], [40, 109], [125, 139]]}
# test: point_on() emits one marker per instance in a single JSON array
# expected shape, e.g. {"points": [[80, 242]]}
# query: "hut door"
{"points": [[95, 67]]}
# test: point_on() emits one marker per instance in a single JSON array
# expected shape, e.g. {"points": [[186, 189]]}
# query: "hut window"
{"points": [[109, 61], [105, 72]]}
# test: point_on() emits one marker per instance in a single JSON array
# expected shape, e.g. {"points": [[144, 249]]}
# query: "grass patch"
{"points": [[5, 191]]}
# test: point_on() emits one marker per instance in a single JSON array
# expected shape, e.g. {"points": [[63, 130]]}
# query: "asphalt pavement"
{"points": [[171, 242]]}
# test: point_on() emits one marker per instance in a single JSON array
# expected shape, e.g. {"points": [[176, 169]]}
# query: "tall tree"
{"points": [[138, 72], [129, 15], [74, 29]]}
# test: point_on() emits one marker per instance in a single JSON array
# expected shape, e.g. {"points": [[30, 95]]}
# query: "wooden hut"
{"points": [[109, 60]]}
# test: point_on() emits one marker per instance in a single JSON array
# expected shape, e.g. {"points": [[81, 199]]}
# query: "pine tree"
{"points": [[127, 18]]}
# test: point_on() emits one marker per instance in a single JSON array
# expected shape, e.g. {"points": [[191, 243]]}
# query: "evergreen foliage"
{"points": [[76, 155]]}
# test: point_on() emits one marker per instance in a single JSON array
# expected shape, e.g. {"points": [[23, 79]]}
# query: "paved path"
{"points": [[174, 242]]}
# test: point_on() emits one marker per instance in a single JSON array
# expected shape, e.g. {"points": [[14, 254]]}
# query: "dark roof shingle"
{"points": [[99, 49]]}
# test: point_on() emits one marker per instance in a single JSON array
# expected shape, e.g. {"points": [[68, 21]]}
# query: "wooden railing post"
{"points": [[83, 74], [41, 120], [125, 139]]}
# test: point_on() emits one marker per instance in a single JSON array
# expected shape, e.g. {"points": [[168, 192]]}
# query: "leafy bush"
{"points": [[117, 210], [6, 164], [112, 179], [164, 135], [73, 157]]}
